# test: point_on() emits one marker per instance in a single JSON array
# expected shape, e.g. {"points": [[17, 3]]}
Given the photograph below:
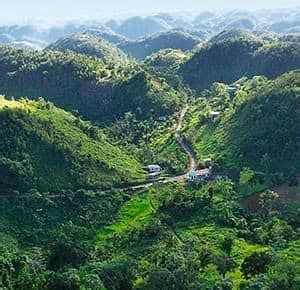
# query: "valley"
{"points": [[154, 152]]}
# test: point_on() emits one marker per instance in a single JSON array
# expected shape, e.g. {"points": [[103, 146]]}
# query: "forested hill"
{"points": [[229, 60], [166, 59], [45, 148], [174, 39], [91, 45], [260, 127], [233, 33], [81, 83]]}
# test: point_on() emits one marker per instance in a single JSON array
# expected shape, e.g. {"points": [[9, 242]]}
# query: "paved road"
{"points": [[183, 143], [185, 147]]}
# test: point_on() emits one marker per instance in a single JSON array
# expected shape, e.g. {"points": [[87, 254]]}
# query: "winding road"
{"points": [[185, 146]]}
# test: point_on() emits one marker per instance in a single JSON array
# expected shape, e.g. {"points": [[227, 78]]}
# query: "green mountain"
{"points": [[142, 48], [232, 34], [88, 44], [84, 84], [260, 127], [45, 148], [137, 27], [70, 215], [107, 34], [166, 59], [230, 60]]}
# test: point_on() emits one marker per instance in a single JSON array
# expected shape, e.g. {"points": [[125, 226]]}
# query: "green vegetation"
{"points": [[233, 33], [151, 141], [88, 44], [231, 59], [166, 59], [258, 129], [142, 48], [135, 213], [47, 149], [69, 217], [168, 236], [83, 84]]}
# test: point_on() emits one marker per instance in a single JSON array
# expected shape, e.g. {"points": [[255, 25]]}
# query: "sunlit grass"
{"points": [[135, 213]]}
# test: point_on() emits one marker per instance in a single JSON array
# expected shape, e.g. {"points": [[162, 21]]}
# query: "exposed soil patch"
{"points": [[286, 193]]}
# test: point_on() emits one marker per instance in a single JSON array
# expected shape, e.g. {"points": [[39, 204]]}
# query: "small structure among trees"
{"points": [[154, 170], [199, 175]]}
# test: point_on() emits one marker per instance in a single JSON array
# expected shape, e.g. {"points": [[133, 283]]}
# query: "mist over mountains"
{"points": [[204, 25]]}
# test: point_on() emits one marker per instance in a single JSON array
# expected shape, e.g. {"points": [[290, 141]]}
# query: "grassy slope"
{"points": [[134, 213], [61, 150]]}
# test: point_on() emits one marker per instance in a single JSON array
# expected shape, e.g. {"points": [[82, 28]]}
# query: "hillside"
{"points": [[166, 59], [167, 237], [242, 23], [232, 34], [83, 84], [45, 148], [260, 129], [107, 34], [142, 48], [229, 60], [287, 26], [206, 24], [88, 44], [137, 27]]}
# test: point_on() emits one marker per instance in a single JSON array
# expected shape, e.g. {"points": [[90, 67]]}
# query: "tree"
{"points": [[117, 275], [227, 244], [267, 200], [266, 163], [256, 263], [68, 280], [66, 252], [246, 175]]}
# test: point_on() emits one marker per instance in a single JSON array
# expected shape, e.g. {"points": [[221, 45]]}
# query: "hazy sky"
{"points": [[21, 10]]}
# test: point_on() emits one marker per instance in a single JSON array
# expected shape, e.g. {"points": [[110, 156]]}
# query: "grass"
{"points": [[208, 233], [100, 151], [9, 103], [135, 213], [240, 250], [67, 153]]}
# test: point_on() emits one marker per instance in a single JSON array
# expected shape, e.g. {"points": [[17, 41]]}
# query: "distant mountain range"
{"points": [[205, 25]]}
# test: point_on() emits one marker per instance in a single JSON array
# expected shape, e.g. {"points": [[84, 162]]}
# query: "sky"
{"points": [[24, 10]]}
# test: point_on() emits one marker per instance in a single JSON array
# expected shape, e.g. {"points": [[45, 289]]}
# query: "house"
{"points": [[162, 119], [199, 175], [153, 168], [214, 116]]}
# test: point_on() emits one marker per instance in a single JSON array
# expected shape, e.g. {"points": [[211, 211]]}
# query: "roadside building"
{"points": [[199, 175], [154, 168]]}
